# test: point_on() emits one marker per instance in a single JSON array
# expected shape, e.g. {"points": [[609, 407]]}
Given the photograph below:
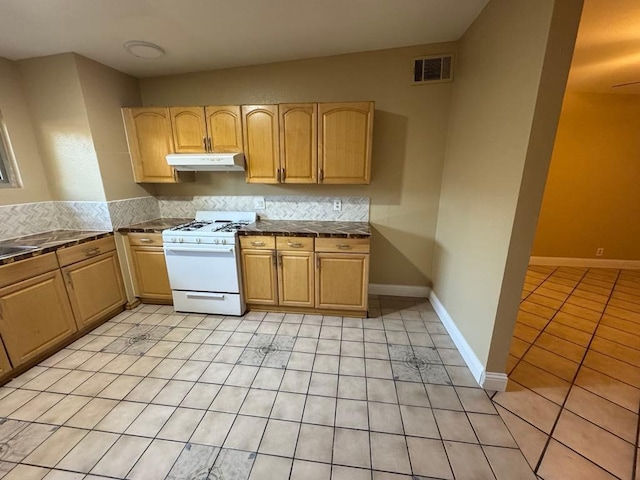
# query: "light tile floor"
{"points": [[574, 374], [153, 394]]}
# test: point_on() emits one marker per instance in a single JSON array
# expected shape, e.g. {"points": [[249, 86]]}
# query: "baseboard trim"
{"points": [[487, 380], [585, 262], [495, 381], [399, 290]]}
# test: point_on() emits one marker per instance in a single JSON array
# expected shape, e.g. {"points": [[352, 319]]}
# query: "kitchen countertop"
{"points": [[48, 242], [154, 226], [305, 228]]}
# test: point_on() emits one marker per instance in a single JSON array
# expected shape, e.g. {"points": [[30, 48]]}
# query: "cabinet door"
{"points": [[344, 145], [299, 142], [261, 143], [5, 364], [224, 125], [296, 279], [342, 281], [189, 129], [35, 316], [259, 277], [95, 288], [149, 137], [150, 271]]}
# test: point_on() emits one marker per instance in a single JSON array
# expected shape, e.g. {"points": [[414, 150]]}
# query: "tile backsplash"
{"points": [[29, 218], [285, 207]]}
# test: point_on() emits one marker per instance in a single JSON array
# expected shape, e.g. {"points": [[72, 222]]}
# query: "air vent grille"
{"points": [[433, 69]]}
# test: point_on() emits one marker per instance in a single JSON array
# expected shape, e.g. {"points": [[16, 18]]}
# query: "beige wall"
{"points": [[15, 114], [409, 138], [57, 107], [592, 197], [477, 275], [105, 91]]}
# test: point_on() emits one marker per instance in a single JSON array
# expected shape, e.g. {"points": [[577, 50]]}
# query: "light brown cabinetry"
{"points": [[149, 137], [259, 270], [35, 316], [214, 129], [261, 143], [298, 142], [328, 274], [147, 262], [94, 283], [344, 142]]}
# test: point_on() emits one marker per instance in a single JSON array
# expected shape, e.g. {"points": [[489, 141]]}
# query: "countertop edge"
{"points": [[51, 248]]}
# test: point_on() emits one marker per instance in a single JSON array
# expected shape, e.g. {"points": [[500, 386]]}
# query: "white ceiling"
{"points": [[210, 34], [608, 47]]}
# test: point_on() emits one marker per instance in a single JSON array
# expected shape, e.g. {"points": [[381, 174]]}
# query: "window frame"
{"points": [[9, 177]]}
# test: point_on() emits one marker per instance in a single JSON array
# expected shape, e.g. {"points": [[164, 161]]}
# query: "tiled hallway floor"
{"points": [[574, 374], [153, 394]]}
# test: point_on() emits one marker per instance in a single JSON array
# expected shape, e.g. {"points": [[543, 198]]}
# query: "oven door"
{"points": [[202, 268]]}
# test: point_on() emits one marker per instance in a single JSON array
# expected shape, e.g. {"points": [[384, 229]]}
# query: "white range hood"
{"points": [[207, 162]]}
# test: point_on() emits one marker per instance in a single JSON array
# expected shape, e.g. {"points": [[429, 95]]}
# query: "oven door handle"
{"points": [[200, 250]]}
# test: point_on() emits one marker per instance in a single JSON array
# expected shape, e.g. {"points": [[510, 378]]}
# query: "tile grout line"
{"points": [[562, 407]]}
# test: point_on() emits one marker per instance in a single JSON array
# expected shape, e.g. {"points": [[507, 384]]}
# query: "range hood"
{"points": [[207, 162]]}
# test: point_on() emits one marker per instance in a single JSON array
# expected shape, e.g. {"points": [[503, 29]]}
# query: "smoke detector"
{"points": [[141, 49]]}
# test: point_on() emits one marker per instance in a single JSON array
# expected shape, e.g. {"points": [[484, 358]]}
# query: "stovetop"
{"points": [[206, 228]]}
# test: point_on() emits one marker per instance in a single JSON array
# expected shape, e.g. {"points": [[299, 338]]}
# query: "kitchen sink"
{"points": [[14, 250]]}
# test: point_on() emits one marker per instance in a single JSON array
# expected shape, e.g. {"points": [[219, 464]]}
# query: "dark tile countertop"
{"points": [[303, 228], [154, 226], [47, 242]]}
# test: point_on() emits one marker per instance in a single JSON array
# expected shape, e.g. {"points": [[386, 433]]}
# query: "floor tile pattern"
{"points": [[153, 394], [573, 397]]}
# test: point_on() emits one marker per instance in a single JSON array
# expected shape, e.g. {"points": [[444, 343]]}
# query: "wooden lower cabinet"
{"points": [[35, 316], [259, 277], [95, 288], [296, 279], [342, 281], [5, 364], [150, 272]]}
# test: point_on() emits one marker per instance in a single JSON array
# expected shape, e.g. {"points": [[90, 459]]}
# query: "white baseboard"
{"points": [[399, 290], [585, 262], [487, 380], [495, 381]]}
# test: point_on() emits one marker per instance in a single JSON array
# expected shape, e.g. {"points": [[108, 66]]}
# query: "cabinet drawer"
{"points": [[303, 244], [67, 256], [258, 242], [343, 245], [145, 239], [30, 267]]}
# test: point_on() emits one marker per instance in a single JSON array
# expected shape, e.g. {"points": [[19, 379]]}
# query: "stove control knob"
{"points": [[198, 240], [181, 240], [224, 242], [215, 240]]}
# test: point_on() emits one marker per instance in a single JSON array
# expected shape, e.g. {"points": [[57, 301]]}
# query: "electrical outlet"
{"points": [[258, 203], [599, 252], [337, 204]]}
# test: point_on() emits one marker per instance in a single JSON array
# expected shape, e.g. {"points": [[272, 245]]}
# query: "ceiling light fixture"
{"points": [[142, 49]]}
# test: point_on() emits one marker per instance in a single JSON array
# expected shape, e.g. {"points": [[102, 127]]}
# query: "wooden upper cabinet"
{"points": [[344, 142], [298, 142], [261, 143], [149, 136], [224, 125], [189, 129]]}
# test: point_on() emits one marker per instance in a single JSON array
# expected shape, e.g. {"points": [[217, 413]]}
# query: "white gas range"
{"points": [[204, 265]]}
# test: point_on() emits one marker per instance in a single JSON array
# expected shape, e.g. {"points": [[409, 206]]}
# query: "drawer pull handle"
{"points": [[146, 240], [257, 244], [91, 252], [295, 245], [343, 246]]}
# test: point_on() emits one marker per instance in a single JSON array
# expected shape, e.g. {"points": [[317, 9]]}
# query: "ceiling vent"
{"points": [[433, 69]]}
